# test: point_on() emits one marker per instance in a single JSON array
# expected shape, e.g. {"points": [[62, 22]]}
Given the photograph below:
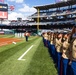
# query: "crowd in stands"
{"points": [[62, 15], [18, 23]]}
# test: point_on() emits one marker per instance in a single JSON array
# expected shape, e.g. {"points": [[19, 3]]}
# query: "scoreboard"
{"points": [[3, 11]]}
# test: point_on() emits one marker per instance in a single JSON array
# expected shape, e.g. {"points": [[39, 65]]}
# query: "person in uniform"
{"points": [[51, 43], [58, 45], [49, 37], [43, 36], [53, 50], [45, 39], [26, 34], [73, 56], [73, 52], [48, 40], [65, 54]]}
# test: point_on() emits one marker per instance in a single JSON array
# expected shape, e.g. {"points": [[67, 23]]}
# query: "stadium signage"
{"points": [[3, 11], [3, 14], [3, 7]]}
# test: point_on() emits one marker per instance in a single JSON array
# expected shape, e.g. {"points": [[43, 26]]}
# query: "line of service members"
{"points": [[62, 48]]}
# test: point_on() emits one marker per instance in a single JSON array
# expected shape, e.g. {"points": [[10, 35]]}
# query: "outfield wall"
{"points": [[6, 31], [1, 32]]}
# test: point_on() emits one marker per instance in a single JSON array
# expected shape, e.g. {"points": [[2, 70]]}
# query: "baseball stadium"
{"points": [[43, 45]]}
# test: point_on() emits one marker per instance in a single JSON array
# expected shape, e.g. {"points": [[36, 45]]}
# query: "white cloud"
{"points": [[27, 9], [23, 12], [17, 1], [14, 16], [64, 0]]}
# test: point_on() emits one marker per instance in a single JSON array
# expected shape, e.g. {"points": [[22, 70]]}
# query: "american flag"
{"points": [[12, 7], [2, 1]]}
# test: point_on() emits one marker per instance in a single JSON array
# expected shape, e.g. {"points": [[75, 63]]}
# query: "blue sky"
{"points": [[38, 2], [24, 8]]}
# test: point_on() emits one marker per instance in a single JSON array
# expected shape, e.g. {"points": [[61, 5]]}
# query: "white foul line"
{"points": [[20, 58]]}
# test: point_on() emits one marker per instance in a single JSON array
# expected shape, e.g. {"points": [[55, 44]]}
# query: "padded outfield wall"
{"points": [[6, 31]]}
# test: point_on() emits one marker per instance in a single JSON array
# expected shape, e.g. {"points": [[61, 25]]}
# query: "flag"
{"points": [[12, 7], [2, 1]]}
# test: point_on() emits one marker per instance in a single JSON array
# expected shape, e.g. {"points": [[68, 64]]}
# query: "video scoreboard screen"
{"points": [[3, 11]]}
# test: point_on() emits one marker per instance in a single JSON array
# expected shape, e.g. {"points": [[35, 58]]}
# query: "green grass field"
{"points": [[37, 60], [6, 36]]}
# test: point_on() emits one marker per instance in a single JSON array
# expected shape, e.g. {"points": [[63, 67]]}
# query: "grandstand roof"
{"points": [[60, 4]]}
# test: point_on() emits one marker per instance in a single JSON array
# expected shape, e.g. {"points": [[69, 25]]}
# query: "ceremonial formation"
{"points": [[62, 48], [22, 45]]}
